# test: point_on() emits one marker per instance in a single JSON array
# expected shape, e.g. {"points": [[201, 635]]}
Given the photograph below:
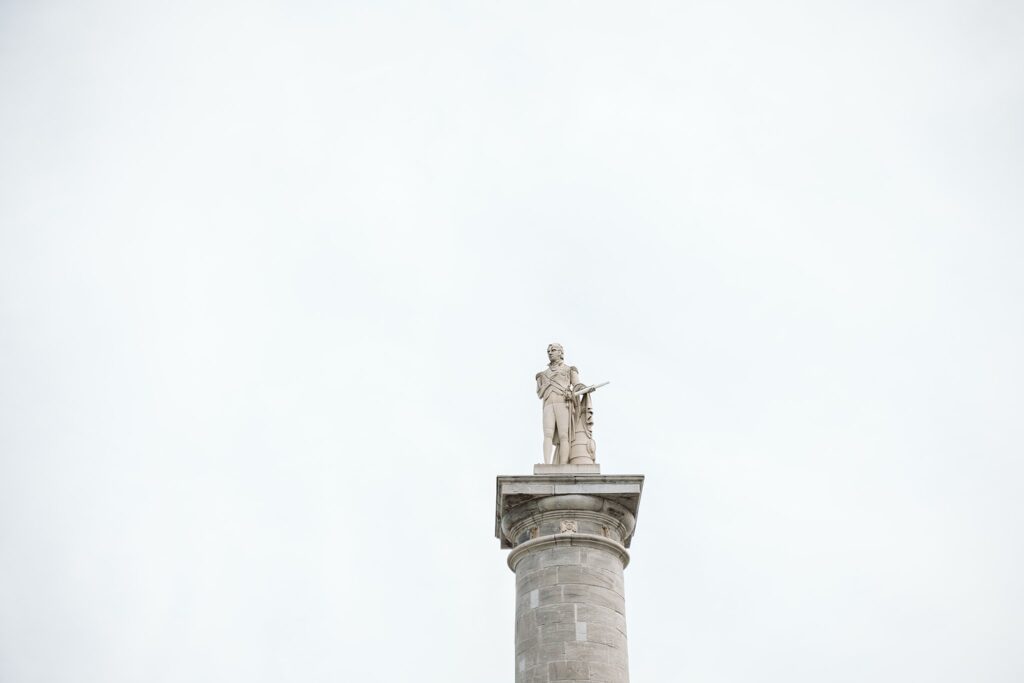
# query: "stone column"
{"points": [[568, 528]]}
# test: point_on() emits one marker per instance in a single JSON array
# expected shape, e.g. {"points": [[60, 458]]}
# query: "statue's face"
{"points": [[555, 352]]}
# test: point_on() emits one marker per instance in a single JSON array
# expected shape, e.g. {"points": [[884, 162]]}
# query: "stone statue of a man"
{"points": [[564, 413]]}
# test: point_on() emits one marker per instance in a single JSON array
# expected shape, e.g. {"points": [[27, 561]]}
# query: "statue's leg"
{"points": [[561, 411], [549, 431]]}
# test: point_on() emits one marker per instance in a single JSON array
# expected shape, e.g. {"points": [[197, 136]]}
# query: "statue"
{"points": [[568, 412]]}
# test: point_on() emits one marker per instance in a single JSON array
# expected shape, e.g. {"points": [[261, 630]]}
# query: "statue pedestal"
{"points": [[568, 531], [590, 468]]}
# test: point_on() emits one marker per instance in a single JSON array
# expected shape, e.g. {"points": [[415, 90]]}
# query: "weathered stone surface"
{"points": [[568, 557], [601, 560], [593, 595], [551, 612], [552, 650], [569, 625], [606, 635], [593, 614], [528, 579], [571, 670], [587, 576], [557, 556], [609, 672], [567, 469], [590, 652], [534, 674], [520, 499]]}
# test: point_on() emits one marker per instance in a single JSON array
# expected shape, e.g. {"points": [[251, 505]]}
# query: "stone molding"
{"points": [[515, 526], [567, 540], [587, 468], [567, 533], [616, 497]]}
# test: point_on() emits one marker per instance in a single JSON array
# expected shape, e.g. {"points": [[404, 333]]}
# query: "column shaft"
{"points": [[570, 612], [568, 536]]}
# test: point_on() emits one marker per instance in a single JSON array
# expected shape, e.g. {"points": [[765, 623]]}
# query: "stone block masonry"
{"points": [[568, 535]]}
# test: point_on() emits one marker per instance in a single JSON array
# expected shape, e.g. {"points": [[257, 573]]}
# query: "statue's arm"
{"points": [[540, 385], [574, 379]]}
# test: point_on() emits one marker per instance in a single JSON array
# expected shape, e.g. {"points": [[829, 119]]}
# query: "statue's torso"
{"points": [[552, 381]]}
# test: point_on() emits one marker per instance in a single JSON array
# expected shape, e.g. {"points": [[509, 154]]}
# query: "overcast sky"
{"points": [[275, 279]]}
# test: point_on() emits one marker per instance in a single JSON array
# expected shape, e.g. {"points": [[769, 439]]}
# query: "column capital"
{"points": [[522, 496]]}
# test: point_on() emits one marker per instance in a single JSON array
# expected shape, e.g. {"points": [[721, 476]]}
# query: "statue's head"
{"points": [[555, 352]]}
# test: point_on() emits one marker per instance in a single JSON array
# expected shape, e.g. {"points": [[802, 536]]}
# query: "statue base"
{"points": [[589, 468]]}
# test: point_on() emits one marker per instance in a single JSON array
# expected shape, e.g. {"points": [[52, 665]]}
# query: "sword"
{"points": [[592, 387]]}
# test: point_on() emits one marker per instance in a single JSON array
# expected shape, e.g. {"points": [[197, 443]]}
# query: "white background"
{"points": [[275, 279]]}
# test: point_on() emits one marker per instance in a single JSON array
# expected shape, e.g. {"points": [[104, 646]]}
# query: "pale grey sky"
{"points": [[275, 279]]}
